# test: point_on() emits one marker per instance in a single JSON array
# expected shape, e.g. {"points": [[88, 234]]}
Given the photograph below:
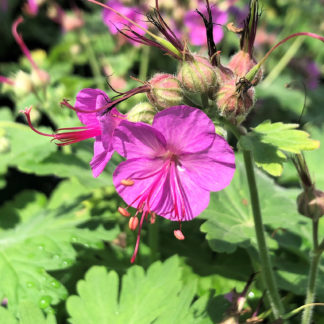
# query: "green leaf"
{"points": [[229, 215], [41, 242], [28, 313], [268, 142], [155, 296]]}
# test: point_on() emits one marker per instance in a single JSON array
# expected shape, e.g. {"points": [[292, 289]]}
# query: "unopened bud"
{"points": [[178, 235], [127, 182], [311, 203], [4, 145], [241, 63], [122, 211], [142, 112], [233, 102], [166, 91], [39, 78], [198, 76], [133, 223], [23, 83]]}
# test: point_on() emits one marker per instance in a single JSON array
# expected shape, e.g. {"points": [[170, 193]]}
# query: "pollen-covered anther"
{"points": [[178, 235], [123, 212], [127, 182], [153, 218], [133, 223]]}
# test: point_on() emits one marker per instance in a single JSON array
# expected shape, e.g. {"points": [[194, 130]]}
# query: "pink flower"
{"points": [[97, 125], [115, 22], [197, 30], [171, 166]]}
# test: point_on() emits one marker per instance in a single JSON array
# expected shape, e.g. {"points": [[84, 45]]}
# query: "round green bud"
{"points": [[142, 112], [198, 76], [166, 91]]}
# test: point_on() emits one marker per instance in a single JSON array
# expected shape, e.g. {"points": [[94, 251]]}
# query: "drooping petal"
{"points": [[89, 100], [101, 157], [108, 123], [212, 169], [185, 129], [134, 140]]}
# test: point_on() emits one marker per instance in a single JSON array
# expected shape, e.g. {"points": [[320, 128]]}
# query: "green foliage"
{"points": [[229, 215], [268, 142], [41, 241], [28, 313], [157, 296]]}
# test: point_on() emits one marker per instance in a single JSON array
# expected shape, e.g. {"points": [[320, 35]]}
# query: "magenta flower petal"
{"points": [[89, 100], [134, 140], [185, 129], [212, 169], [101, 157], [171, 167], [160, 187]]}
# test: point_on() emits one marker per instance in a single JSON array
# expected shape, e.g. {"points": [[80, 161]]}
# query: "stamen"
{"points": [[123, 212], [133, 223], [22, 44], [153, 218], [127, 182], [27, 114], [178, 235], [138, 239]]}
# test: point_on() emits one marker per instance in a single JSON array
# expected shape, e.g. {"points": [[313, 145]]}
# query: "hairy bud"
{"points": [[142, 112], [166, 91], [311, 203], [198, 76], [234, 101], [39, 78], [241, 63], [22, 83]]}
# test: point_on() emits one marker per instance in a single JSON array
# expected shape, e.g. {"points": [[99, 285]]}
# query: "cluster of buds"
{"points": [[221, 90]]}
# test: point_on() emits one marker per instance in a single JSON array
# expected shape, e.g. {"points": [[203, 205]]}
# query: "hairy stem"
{"points": [[266, 267], [311, 286]]}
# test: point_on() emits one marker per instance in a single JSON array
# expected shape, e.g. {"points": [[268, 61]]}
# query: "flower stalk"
{"points": [[266, 266]]}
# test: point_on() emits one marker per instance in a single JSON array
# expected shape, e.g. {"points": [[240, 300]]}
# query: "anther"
{"points": [[132, 224], [178, 235], [127, 182], [153, 218], [123, 212]]}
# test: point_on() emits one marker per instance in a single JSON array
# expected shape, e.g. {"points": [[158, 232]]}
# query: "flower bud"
{"points": [[23, 83], [142, 112], [234, 103], [165, 91], [241, 63], [198, 76], [39, 78], [311, 203]]}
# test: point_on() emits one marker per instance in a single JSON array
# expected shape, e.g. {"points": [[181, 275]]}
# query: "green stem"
{"points": [[311, 286], [93, 61], [204, 101], [266, 267], [144, 63]]}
